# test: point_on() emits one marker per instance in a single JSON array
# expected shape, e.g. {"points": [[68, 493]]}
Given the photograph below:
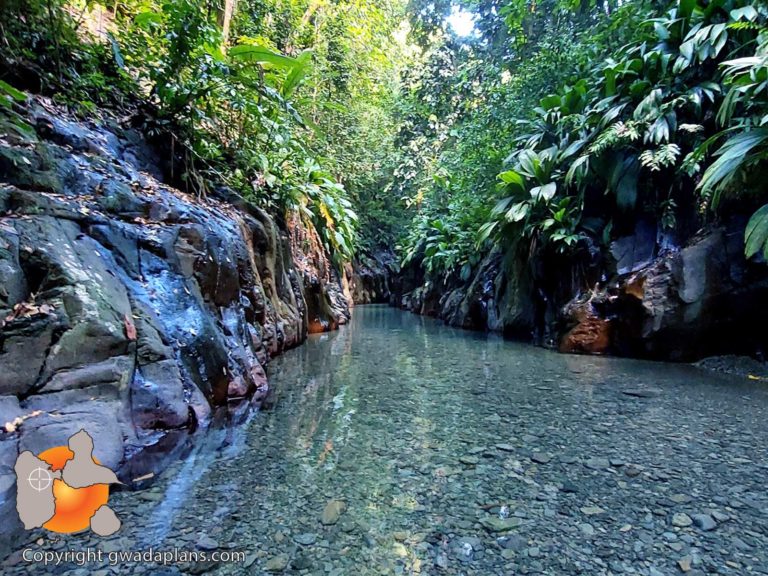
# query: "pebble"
{"points": [[541, 457], [277, 563], [495, 524], [332, 512], [205, 542], [685, 563], [305, 539], [704, 522], [681, 520], [597, 463], [591, 510]]}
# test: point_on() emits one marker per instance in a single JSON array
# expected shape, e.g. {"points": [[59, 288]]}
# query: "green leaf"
{"points": [[733, 157], [513, 180], [297, 73], [147, 19], [116, 51], [518, 212], [485, 231], [756, 234], [261, 55]]}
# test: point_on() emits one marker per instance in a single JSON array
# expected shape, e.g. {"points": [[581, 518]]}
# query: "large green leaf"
{"points": [[261, 55], [733, 156], [297, 73], [756, 234]]}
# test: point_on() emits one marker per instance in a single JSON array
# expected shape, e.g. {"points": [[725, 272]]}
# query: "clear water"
{"points": [[462, 453]]}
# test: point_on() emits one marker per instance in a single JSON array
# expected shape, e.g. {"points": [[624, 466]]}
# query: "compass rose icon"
{"points": [[40, 479]]}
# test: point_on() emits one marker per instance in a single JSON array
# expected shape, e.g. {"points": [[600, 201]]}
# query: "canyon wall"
{"points": [[131, 309]]}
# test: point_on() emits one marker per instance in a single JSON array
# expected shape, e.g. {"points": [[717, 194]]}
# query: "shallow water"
{"points": [[462, 453]]}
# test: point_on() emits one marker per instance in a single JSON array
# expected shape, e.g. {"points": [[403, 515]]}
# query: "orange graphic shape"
{"points": [[74, 506]]}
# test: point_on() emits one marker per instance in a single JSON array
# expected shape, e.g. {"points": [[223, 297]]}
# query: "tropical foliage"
{"points": [[660, 113], [552, 125]]}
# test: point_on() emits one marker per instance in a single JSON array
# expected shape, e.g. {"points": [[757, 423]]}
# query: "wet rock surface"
{"points": [[643, 296], [131, 309], [699, 300], [372, 277], [449, 452]]}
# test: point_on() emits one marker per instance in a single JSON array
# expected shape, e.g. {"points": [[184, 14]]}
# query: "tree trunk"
{"points": [[224, 13]]}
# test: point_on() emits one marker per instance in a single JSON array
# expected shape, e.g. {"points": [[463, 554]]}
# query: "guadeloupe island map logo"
{"points": [[65, 489]]}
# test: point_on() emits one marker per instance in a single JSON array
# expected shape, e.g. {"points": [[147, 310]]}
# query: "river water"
{"points": [[399, 446]]}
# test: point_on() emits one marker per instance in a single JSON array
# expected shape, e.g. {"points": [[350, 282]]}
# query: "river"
{"points": [[399, 446]]}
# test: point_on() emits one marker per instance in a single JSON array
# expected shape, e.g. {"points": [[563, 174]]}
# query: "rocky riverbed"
{"points": [[399, 446]]}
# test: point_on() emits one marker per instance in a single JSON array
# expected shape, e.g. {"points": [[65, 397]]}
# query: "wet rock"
{"points": [[704, 522], [148, 308], [305, 539], [590, 333], [541, 457], [495, 524], [205, 542], [681, 520], [597, 463], [277, 563], [332, 512]]}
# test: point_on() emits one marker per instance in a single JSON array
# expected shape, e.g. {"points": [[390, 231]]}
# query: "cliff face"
{"points": [[131, 309], [645, 296]]}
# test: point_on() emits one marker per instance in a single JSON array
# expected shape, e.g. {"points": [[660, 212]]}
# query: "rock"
{"points": [[305, 539], [590, 333], [587, 529], [496, 524], [597, 463], [441, 560], [680, 498], [640, 392], [205, 542], [591, 510], [302, 562], [277, 563], [720, 516], [541, 457], [506, 447], [469, 460], [534, 552], [146, 307], [569, 488], [681, 520], [332, 512], [668, 308], [704, 522], [399, 550], [685, 563]]}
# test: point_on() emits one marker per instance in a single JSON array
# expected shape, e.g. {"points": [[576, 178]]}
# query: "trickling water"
{"points": [[461, 453]]}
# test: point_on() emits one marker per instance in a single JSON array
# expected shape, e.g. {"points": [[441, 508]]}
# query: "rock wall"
{"points": [[700, 300], [371, 277], [644, 297], [129, 308], [492, 299]]}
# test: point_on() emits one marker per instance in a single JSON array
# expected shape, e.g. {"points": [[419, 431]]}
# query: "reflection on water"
{"points": [[462, 453]]}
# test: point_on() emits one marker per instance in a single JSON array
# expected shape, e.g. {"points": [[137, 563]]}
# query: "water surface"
{"points": [[461, 453]]}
